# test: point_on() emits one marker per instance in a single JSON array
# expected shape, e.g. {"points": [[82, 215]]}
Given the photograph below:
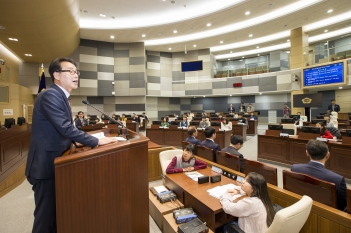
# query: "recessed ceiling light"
{"points": [[326, 30], [304, 52], [208, 25], [260, 93], [243, 57], [194, 45], [287, 40], [112, 37], [230, 95], [169, 48], [13, 39], [258, 55], [163, 0], [287, 51], [175, 31], [250, 35], [221, 42], [330, 11], [247, 12], [143, 35], [102, 15], [340, 87], [194, 97], [241, 60], [257, 47], [204, 96], [228, 59], [28, 54], [231, 51]]}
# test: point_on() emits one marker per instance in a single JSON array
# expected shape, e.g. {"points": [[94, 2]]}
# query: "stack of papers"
{"points": [[194, 175], [160, 189], [220, 190], [98, 135]]}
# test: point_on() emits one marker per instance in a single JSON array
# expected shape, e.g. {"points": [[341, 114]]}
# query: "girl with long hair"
{"points": [[324, 132], [254, 209]]}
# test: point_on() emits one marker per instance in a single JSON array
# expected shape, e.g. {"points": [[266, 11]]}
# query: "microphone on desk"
{"points": [[110, 118]]}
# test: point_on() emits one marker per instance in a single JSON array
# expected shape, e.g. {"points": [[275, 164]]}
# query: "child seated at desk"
{"points": [[225, 125], [254, 210], [185, 162], [324, 132], [164, 122]]}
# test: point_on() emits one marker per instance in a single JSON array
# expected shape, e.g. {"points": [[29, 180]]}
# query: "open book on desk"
{"points": [[194, 175], [220, 190]]}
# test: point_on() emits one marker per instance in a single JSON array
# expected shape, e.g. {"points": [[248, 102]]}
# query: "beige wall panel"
{"points": [[88, 83], [136, 53], [178, 93], [194, 58], [88, 58], [124, 84], [166, 93], [137, 91], [87, 66], [295, 50], [121, 61], [191, 74], [166, 66], [106, 76], [205, 58], [165, 60], [136, 46], [219, 91], [88, 91], [154, 92], [252, 89], [153, 53], [153, 66], [343, 98], [192, 86], [286, 78], [105, 60], [176, 67], [205, 85], [177, 60], [153, 86], [122, 100], [121, 69], [121, 46], [121, 91], [166, 73], [109, 99], [136, 68], [151, 72], [137, 99], [86, 50]]}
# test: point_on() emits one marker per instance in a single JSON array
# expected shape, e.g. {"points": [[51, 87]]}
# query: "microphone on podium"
{"points": [[110, 118]]}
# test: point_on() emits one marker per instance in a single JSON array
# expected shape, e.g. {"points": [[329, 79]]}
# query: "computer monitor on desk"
{"points": [[174, 123], [287, 120], [9, 122], [156, 122], [275, 127], [310, 129], [21, 120], [320, 117], [348, 132], [194, 123], [215, 123], [294, 116], [315, 121]]}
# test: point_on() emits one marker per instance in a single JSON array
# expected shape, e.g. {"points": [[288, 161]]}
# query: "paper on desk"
{"points": [[160, 189], [98, 135], [121, 139], [220, 190], [194, 175]]}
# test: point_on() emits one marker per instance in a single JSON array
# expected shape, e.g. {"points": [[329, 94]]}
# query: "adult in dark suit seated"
{"points": [[334, 107], [236, 143], [210, 134], [252, 116], [135, 118], [184, 123], [80, 121], [53, 133], [318, 153], [241, 118], [231, 108], [192, 132]]}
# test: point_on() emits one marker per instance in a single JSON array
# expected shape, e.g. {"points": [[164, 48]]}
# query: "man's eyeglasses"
{"points": [[72, 72]]}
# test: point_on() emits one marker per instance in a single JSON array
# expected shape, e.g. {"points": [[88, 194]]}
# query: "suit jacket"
{"points": [[320, 172], [336, 108], [231, 109], [52, 133], [79, 123], [184, 124], [193, 140], [212, 145], [233, 151], [253, 117]]}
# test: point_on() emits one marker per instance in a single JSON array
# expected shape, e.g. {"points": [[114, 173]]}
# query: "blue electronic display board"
{"points": [[191, 66], [324, 75]]}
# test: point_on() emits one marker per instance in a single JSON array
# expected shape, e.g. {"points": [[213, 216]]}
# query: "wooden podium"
{"points": [[104, 189]]}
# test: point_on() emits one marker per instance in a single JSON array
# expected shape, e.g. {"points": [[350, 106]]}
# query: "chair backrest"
{"points": [[166, 157], [348, 199], [289, 127], [268, 172], [205, 153], [319, 190], [291, 219], [184, 144], [228, 160]]}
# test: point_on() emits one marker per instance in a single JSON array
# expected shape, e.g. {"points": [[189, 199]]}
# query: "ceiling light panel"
{"points": [[167, 13], [296, 6], [328, 21]]}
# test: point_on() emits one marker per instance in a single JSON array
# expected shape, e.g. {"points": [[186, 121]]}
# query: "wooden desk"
{"points": [[322, 219], [133, 126], [175, 137], [195, 195], [252, 127], [239, 130], [293, 150], [89, 128]]}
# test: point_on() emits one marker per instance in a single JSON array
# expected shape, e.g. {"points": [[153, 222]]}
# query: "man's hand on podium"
{"points": [[107, 140]]}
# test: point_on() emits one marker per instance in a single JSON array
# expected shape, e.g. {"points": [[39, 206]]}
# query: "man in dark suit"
{"points": [[80, 121], [135, 118], [231, 108], [318, 153], [210, 134], [334, 107], [52, 134], [192, 132], [236, 143]]}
